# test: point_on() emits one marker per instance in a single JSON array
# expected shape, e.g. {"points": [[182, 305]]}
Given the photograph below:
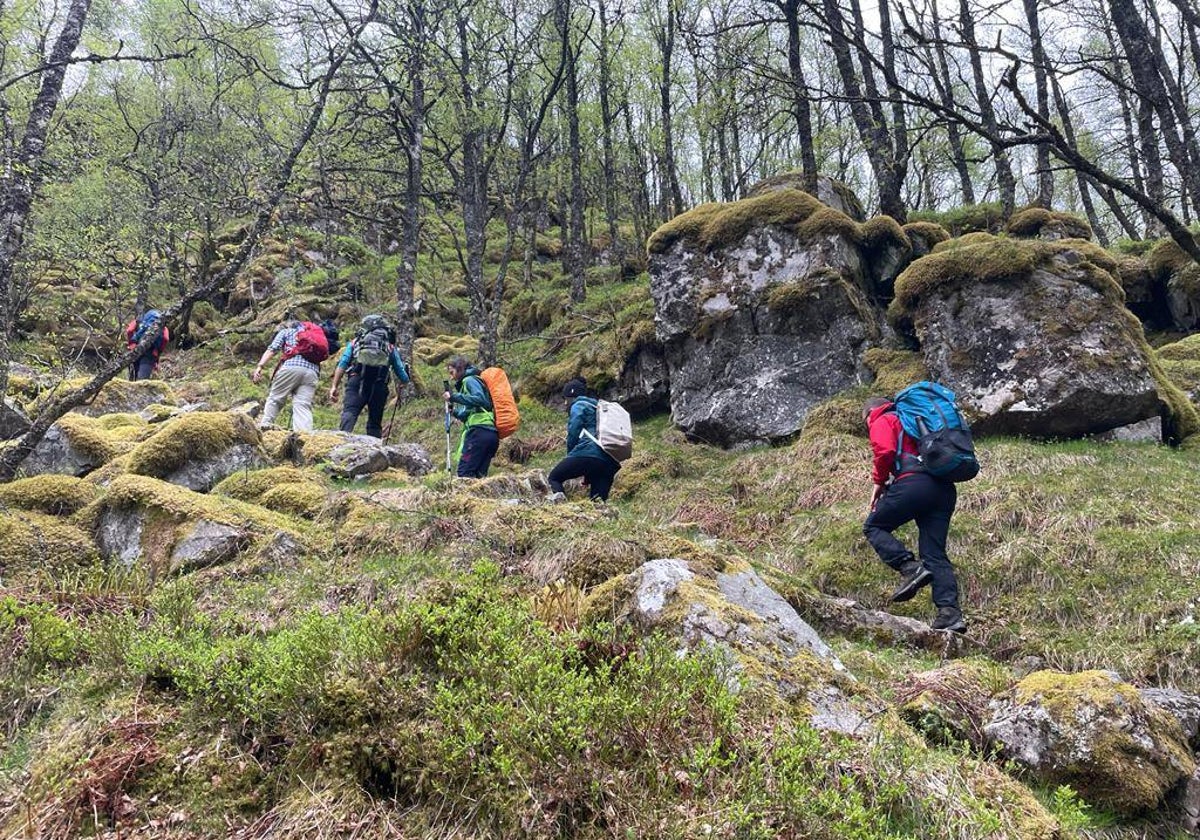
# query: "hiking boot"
{"points": [[949, 618], [556, 497], [914, 577]]}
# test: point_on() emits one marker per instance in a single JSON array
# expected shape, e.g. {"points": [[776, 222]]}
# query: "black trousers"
{"points": [[479, 447], [142, 368], [930, 503], [599, 473], [371, 395]]}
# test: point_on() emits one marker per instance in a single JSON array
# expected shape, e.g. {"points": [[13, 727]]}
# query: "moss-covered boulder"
{"points": [[1095, 733], [830, 192], [1181, 362], [763, 309], [1179, 275], [165, 528], [1040, 223], [75, 445], [733, 610], [119, 396], [57, 495], [37, 546], [1033, 336], [197, 450]]}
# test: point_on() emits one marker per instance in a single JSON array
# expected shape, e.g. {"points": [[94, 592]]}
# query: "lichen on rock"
{"points": [[1094, 732], [57, 495]]}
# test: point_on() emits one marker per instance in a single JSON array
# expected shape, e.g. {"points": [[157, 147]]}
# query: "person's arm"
{"points": [[575, 424], [884, 434], [398, 366], [342, 365], [475, 395], [276, 344]]}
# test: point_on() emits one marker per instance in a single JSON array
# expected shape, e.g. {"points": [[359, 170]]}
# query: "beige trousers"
{"points": [[301, 385]]}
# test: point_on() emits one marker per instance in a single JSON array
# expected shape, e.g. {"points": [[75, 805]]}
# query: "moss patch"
{"points": [[39, 546], [1030, 222], [53, 494], [894, 370], [713, 226], [250, 486], [434, 351], [192, 437]]}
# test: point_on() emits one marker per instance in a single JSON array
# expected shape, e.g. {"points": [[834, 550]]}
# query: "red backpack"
{"points": [[311, 343]]}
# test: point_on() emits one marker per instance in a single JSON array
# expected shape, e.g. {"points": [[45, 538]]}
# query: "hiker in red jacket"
{"points": [[904, 492], [145, 365]]}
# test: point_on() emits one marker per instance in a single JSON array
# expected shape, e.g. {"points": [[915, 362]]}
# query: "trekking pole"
{"points": [[446, 384], [387, 436]]}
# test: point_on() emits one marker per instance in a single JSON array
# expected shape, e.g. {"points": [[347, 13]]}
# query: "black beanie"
{"points": [[574, 388]]}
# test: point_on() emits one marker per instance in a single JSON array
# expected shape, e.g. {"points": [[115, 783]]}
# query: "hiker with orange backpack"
{"points": [[304, 346], [470, 402]]}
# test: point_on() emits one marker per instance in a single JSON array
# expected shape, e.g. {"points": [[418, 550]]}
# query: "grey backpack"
{"points": [[614, 430]]}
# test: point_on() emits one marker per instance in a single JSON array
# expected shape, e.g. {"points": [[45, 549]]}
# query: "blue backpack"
{"points": [[152, 320], [929, 414]]}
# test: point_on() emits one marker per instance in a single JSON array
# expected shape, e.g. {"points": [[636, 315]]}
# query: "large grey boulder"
{"points": [[13, 422], [207, 543], [756, 632], [120, 396], [203, 474], [1094, 732], [762, 310], [65, 450], [1032, 336], [361, 455]]}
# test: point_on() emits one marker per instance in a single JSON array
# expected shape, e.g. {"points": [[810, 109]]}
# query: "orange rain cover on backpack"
{"points": [[504, 406]]}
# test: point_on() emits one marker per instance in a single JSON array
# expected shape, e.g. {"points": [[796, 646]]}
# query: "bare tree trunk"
{"points": [[1004, 174], [573, 257], [801, 107], [944, 83], [606, 129], [22, 182], [410, 214], [866, 110], [1045, 194], [665, 36], [1149, 74]]}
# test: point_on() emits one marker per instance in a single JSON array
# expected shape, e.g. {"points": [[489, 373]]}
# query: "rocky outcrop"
{"points": [[1095, 733], [168, 529], [361, 455], [757, 632], [198, 450], [1032, 336], [1040, 223], [762, 309], [643, 387]]}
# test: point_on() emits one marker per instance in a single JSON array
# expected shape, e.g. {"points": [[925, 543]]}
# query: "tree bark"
{"points": [[1005, 179], [665, 36], [604, 59], [1045, 176], [801, 104], [944, 83], [22, 181]]}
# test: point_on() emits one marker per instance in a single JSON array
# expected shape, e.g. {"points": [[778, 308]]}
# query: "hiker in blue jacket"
{"points": [[585, 459]]}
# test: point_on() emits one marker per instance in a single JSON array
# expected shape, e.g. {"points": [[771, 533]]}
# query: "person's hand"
{"points": [[257, 375], [333, 395], [879, 488], [446, 396]]}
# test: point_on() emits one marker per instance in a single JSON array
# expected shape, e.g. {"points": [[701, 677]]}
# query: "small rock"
{"points": [[13, 422], [207, 544]]}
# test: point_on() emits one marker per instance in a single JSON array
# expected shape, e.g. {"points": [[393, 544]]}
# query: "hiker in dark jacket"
{"points": [[585, 459], [366, 387], [471, 405], [904, 493], [144, 365]]}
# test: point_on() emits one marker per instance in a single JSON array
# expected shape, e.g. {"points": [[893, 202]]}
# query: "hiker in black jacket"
{"points": [[585, 459]]}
